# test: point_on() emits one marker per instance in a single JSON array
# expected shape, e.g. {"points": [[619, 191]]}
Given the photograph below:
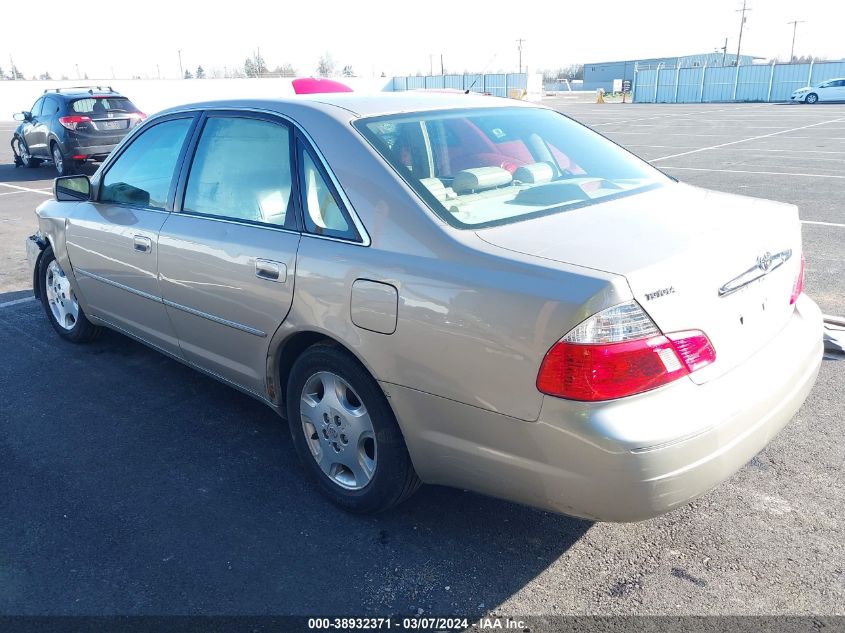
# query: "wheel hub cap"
{"points": [[338, 430], [60, 297]]}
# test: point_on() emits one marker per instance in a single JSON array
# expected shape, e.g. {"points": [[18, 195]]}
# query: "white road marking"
{"points": [[8, 304], [744, 140], [842, 226], [749, 171], [10, 193], [41, 191]]}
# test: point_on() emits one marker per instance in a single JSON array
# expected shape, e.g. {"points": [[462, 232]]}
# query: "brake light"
{"points": [[138, 115], [620, 352], [798, 286], [71, 122]]}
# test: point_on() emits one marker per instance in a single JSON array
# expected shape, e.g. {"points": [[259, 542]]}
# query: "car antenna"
{"points": [[484, 70]]}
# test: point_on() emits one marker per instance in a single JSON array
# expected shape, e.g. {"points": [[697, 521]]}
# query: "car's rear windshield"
{"points": [[488, 166], [102, 105]]}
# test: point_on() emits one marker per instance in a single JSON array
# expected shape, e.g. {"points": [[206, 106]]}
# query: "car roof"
{"points": [[83, 93], [352, 104]]}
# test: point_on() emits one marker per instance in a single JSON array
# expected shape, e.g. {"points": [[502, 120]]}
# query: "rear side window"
{"points": [[324, 214], [102, 105], [242, 170], [143, 173]]}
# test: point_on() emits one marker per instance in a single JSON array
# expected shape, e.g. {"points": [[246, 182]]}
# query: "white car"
{"points": [[830, 90]]}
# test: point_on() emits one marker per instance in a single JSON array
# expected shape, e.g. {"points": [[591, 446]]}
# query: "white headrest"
{"points": [[534, 173], [480, 178]]}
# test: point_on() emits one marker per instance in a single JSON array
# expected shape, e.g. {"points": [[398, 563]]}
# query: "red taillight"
{"points": [[798, 286], [614, 370], [79, 157], [138, 115], [70, 122]]}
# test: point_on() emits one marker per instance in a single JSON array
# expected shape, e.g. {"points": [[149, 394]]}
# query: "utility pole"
{"points": [[794, 24], [181, 72], [78, 76], [158, 71], [14, 70], [519, 44], [430, 65], [442, 72], [725, 52], [741, 26]]}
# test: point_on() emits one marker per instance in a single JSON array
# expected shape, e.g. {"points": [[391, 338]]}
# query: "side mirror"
{"points": [[22, 116], [72, 188]]}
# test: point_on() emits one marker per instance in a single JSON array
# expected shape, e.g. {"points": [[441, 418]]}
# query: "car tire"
{"points": [[62, 308], [63, 166], [811, 98], [23, 153], [345, 433]]}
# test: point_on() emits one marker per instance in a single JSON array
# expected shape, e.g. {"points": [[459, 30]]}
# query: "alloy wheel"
{"points": [[58, 160]]}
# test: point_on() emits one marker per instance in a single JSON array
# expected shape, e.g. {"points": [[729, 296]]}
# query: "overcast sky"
{"points": [[125, 39]]}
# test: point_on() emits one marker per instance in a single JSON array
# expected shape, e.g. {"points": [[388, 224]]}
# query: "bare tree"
{"points": [[347, 71], [325, 67], [200, 72], [285, 70]]}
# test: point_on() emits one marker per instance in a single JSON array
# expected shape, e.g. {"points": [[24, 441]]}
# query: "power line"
{"points": [[794, 24]]}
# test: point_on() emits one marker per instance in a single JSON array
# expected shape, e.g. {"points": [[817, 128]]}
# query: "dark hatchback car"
{"points": [[68, 126]]}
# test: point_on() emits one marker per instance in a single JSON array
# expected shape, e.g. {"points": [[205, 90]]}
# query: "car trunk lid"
{"points": [[690, 257]]}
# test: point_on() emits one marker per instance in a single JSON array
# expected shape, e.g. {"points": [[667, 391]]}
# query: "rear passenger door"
{"points": [[227, 257]]}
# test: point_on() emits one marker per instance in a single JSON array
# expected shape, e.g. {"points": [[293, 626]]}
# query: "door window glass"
{"points": [[142, 174], [242, 171], [36, 107]]}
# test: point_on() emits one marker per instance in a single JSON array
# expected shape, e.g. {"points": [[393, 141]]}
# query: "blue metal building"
{"points": [[601, 74]]}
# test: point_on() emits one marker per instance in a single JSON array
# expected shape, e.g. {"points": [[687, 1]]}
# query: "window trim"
{"points": [[201, 110], [302, 148], [188, 162], [127, 143]]}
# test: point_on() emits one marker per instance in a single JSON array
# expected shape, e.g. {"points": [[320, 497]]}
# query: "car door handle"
{"points": [[270, 270], [143, 244]]}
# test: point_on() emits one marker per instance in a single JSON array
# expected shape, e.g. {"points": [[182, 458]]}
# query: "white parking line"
{"points": [[8, 304], [749, 171], [842, 226], [41, 191], [743, 140]]}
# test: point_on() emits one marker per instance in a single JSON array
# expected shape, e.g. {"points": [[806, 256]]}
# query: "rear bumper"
{"points": [[91, 151], [623, 460]]}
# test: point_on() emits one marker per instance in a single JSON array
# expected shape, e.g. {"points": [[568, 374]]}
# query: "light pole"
{"points": [[519, 44], [794, 24], [741, 26], [181, 72]]}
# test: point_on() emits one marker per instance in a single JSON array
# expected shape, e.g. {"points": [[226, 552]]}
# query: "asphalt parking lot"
{"points": [[133, 485]]}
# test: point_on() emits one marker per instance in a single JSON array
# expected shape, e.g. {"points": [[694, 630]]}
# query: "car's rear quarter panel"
{"points": [[473, 323]]}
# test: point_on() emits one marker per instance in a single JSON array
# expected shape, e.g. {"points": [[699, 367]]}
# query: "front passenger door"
{"points": [[34, 133], [227, 257], [112, 242]]}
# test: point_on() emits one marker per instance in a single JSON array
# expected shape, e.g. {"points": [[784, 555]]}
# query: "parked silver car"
{"points": [[451, 289]]}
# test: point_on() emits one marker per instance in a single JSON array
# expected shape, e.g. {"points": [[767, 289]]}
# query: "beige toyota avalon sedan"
{"points": [[450, 289]]}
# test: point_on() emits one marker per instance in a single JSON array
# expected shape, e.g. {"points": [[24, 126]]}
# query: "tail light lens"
{"points": [[798, 286], [138, 115], [71, 122], [620, 352]]}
